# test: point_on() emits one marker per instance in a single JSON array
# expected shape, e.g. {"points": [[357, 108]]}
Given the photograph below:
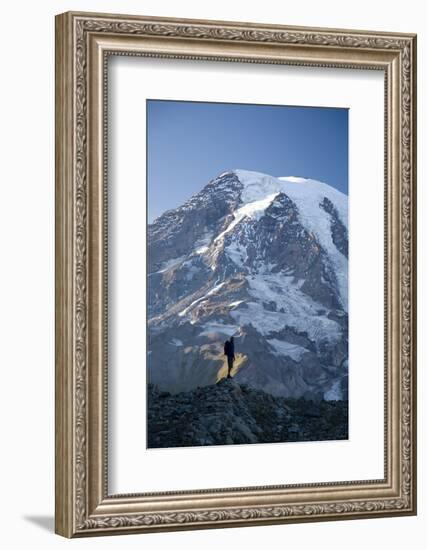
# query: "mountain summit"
{"points": [[264, 259]]}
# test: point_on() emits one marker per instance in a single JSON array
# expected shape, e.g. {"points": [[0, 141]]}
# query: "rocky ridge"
{"points": [[231, 413]]}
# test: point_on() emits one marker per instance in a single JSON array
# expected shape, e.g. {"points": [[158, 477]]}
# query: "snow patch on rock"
{"points": [[287, 349]]}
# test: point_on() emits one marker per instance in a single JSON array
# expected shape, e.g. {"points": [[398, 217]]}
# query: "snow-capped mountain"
{"points": [[264, 259]]}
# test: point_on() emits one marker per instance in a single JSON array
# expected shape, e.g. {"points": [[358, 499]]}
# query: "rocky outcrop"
{"points": [[229, 413], [338, 229]]}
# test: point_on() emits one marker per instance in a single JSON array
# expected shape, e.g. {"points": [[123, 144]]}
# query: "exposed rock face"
{"points": [[231, 413], [176, 232], [260, 258], [338, 229]]}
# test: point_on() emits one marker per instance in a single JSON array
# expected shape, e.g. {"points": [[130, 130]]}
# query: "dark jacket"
{"points": [[229, 348]]}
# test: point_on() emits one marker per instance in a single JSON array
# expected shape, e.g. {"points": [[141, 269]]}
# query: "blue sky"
{"points": [[190, 143]]}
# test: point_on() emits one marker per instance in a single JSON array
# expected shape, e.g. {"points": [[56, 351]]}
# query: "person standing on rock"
{"points": [[229, 352]]}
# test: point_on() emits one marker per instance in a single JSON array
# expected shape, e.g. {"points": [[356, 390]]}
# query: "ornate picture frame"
{"points": [[84, 42]]}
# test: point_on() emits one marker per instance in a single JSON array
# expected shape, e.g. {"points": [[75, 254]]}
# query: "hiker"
{"points": [[229, 352]]}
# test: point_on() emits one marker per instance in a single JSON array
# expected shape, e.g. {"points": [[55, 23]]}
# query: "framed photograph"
{"points": [[235, 274]]}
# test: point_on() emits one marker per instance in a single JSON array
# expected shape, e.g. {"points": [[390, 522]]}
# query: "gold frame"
{"points": [[83, 505]]}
